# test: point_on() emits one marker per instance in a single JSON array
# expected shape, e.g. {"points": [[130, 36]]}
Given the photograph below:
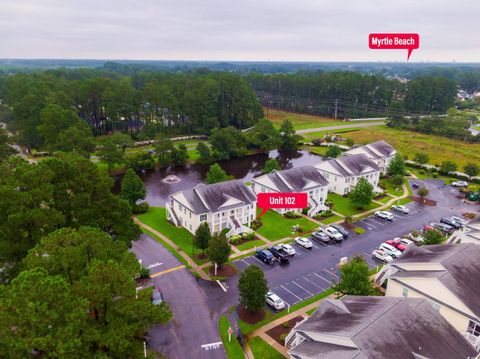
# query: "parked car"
{"points": [[321, 236], [428, 228], [304, 242], [275, 301], [289, 249], [442, 227], [462, 221], [451, 223], [459, 184], [415, 185], [381, 256], [279, 254], [334, 234], [396, 244], [416, 238], [265, 256], [341, 229], [400, 208], [390, 250], [385, 215], [406, 242], [157, 296]]}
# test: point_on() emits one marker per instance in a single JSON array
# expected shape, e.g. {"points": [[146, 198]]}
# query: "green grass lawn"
{"points": [[269, 316], [408, 143], [250, 244], [387, 184], [344, 206], [275, 226], [429, 175], [233, 348], [384, 199], [319, 150], [156, 217], [331, 219], [300, 121], [166, 245], [262, 350]]}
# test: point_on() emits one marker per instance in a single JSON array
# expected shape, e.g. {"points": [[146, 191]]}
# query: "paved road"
{"points": [[194, 324], [340, 127]]}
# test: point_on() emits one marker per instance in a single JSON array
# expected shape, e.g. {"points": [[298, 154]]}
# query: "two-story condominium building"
{"points": [[305, 179], [363, 327], [344, 172], [448, 276], [379, 152], [229, 204]]}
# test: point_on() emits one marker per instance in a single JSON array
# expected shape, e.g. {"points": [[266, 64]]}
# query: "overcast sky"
{"points": [[256, 30]]}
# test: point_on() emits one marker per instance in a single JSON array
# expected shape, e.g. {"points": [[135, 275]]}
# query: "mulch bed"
{"points": [[350, 226], [381, 196], [426, 201], [201, 256], [142, 282], [248, 317], [277, 331], [226, 270]]}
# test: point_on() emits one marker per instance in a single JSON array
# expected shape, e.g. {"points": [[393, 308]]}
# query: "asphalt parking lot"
{"points": [[310, 272]]}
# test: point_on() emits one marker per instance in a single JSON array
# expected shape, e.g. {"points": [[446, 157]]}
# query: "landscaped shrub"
{"points": [[256, 224], [300, 229], [359, 230], [244, 235], [140, 208], [305, 211], [235, 239], [324, 214], [317, 141], [144, 272], [329, 204], [283, 337], [250, 236], [286, 324], [435, 174], [422, 172], [348, 219], [292, 214]]}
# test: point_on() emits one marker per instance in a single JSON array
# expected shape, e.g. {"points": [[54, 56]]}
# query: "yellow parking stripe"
{"points": [[167, 271]]}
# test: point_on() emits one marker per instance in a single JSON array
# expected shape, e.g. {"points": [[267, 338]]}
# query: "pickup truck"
{"points": [[280, 254]]}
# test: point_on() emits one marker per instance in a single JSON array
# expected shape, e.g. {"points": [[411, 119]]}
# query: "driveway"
{"points": [[193, 331]]}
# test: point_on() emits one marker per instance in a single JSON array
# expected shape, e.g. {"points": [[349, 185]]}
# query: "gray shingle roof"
{"points": [[462, 269], [387, 327], [209, 198], [353, 165], [383, 147], [295, 179]]}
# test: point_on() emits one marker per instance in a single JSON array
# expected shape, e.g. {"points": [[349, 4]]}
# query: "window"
{"points": [[435, 305], [190, 227], [405, 292], [473, 328], [203, 217], [190, 214], [223, 214]]}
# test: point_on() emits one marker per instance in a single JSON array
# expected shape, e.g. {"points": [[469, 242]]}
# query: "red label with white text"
{"points": [[268, 200], [406, 41]]}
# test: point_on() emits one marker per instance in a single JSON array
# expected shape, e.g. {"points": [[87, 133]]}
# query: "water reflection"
{"points": [[245, 168]]}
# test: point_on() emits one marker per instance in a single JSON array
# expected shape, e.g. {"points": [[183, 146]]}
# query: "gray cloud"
{"points": [[301, 30]]}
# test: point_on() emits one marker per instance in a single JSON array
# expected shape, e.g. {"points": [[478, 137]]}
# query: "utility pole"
{"points": [[336, 108]]}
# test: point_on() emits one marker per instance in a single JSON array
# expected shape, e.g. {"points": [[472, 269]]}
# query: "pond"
{"points": [[165, 181]]}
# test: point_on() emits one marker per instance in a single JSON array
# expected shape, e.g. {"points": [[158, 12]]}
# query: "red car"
{"points": [[401, 247]]}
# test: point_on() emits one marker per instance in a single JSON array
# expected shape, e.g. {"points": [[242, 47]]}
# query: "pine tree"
{"points": [[252, 288], [132, 188]]}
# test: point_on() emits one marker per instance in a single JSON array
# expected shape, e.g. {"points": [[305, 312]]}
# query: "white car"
{"points": [[381, 256], [406, 242], [390, 250], [275, 301], [416, 238], [385, 215], [400, 208], [304, 242], [459, 220], [459, 184], [334, 234], [289, 249]]}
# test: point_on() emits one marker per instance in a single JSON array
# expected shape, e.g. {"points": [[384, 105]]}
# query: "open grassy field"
{"points": [[439, 149], [300, 121], [320, 134]]}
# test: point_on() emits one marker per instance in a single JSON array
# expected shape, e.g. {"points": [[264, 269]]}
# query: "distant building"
{"points": [[447, 275], [229, 204], [470, 233], [306, 179], [344, 172], [379, 152], [358, 327]]}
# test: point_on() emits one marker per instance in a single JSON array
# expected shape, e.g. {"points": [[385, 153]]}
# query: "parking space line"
{"points": [[258, 260], [305, 249], [296, 296], [298, 285], [319, 276], [330, 273], [308, 280]]}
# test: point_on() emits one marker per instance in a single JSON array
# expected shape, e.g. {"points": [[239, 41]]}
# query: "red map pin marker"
{"points": [[403, 41], [291, 200]]}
